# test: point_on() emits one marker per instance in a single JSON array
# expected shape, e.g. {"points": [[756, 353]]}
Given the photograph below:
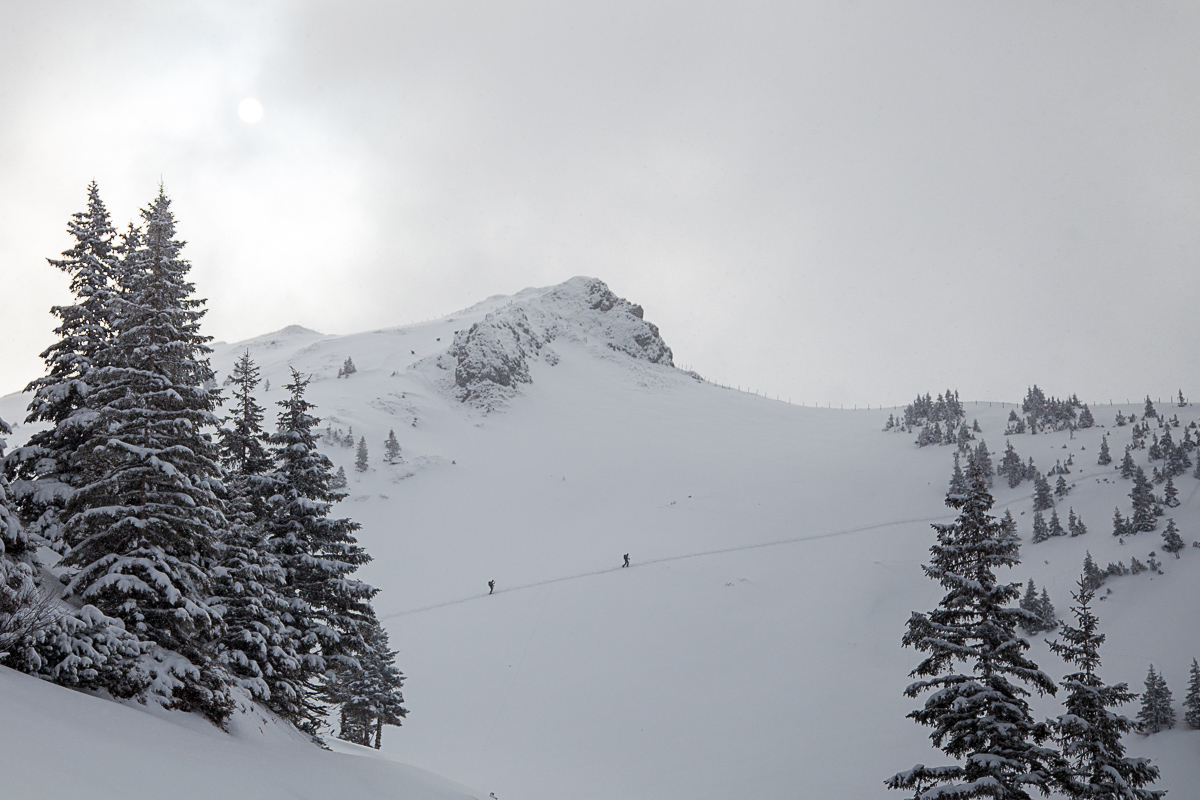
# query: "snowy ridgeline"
{"points": [[753, 647]]}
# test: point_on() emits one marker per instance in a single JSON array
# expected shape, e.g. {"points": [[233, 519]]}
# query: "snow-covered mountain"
{"points": [[753, 647]]}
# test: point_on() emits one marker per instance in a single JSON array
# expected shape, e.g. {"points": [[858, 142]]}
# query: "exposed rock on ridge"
{"points": [[491, 358]]}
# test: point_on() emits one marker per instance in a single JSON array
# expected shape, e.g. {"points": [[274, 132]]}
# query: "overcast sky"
{"points": [[843, 202]]}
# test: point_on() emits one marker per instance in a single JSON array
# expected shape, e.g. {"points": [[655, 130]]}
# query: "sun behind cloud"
{"points": [[250, 110]]}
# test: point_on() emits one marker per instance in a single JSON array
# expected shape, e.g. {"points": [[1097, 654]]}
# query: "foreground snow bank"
{"points": [[60, 743]]}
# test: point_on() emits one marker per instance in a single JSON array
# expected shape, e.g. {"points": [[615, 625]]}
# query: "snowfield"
{"points": [[751, 650]]}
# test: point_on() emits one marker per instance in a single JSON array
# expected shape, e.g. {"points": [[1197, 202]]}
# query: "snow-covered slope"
{"points": [[60, 743], [753, 649]]}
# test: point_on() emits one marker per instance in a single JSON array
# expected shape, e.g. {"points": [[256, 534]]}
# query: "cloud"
{"points": [[832, 201]]}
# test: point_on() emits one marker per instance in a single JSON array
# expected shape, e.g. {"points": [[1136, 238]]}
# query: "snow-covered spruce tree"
{"points": [[958, 482], [1105, 456], [980, 717], [1092, 575], [146, 516], [1170, 494], [1042, 498], [1008, 524], [983, 457], [1120, 524], [319, 555], [338, 481], [370, 696], [1128, 468], [347, 369], [1055, 528], [1089, 733], [1156, 713], [259, 647], [361, 462], [1046, 609], [27, 615], [1060, 487], [242, 441], [1150, 412], [391, 449], [1172, 541], [1191, 703], [1142, 496], [1011, 467], [1040, 532], [1086, 420], [42, 471]]}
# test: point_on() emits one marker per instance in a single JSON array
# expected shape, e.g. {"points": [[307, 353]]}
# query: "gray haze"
{"points": [[840, 202]]}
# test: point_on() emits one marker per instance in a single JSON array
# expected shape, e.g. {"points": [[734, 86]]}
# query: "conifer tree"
{"points": [[1089, 733], [360, 456], [1105, 456], [1172, 541], [1042, 499], [1142, 495], [1092, 576], [319, 554], [978, 714], [1120, 524], [1040, 532], [1009, 524], [1060, 487], [958, 483], [347, 369], [1011, 467], [1191, 703], [146, 516], [1047, 612], [983, 458], [391, 449], [1086, 420], [1128, 468], [1056, 528], [338, 481], [1149, 413], [1156, 713], [260, 649], [43, 471], [369, 695], [243, 448], [24, 619], [1029, 602], [1170, 494]]}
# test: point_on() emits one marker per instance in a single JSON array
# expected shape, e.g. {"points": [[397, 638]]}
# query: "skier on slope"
{"points": [[626, 564], [491, 586]]}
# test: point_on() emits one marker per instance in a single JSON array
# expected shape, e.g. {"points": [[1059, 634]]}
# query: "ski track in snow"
{"points": [[666, 559], [1020, 499]]}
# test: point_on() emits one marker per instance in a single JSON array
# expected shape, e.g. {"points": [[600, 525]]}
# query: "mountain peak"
{"points": [[492, 357]]}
